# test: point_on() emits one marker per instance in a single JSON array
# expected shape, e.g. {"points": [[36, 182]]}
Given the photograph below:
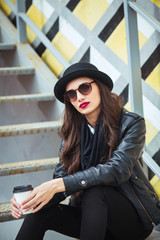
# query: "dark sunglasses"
{"points": [[84, 88]]}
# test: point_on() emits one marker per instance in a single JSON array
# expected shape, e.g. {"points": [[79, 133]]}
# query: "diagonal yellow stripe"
{"points": [[151, 131], [117, 41], [5, 8], [38, 18], [156, 2], [65, 47], [155, 181], [154, 79], [90, 11]]}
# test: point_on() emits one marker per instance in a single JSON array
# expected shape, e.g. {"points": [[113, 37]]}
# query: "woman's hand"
{"points": [[42, 194], [15, 208]]}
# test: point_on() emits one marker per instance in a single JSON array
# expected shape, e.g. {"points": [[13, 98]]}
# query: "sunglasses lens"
{"points": [[85, 88], [71, 95]]}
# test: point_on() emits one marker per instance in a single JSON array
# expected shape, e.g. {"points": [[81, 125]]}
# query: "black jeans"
{"points": [[105, 215]]}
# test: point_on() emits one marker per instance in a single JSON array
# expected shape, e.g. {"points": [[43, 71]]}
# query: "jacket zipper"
{"points": [[143, 207], [140, 180]]}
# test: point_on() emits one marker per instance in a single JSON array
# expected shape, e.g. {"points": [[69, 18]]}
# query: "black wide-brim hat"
{"points": [[80, 70]]}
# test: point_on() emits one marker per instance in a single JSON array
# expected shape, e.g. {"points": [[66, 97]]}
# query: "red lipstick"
{"points": [[84, 104]]}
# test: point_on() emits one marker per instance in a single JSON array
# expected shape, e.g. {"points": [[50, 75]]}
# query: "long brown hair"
{"points": [[111, 108]]}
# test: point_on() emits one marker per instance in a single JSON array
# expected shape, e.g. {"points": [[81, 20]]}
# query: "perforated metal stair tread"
{"points": [[7, 46], [27, 98], [16, 70], [5, 207], [5, 212], [30, 128], [27, 166]]}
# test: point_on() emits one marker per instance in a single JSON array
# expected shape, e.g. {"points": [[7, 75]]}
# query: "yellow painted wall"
{"points": [[117, 41], [38, 18], [89, 12]]}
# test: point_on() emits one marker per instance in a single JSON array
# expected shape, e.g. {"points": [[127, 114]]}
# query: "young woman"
{"points": [[100, 167]]}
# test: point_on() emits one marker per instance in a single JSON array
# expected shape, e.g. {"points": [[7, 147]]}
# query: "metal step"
{"points": [[28, 166], [7, 46], [27, 98], [30, 128], [5, 212], [16, 70]]}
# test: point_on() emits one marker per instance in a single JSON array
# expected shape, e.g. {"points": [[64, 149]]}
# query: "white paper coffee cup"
{"points": [[21, 193]]}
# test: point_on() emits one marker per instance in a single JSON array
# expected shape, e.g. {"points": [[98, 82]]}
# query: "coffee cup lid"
{"points": [[23, 188]]}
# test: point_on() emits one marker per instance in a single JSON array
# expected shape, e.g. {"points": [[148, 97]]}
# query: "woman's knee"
{"points": [[93, 195], [99, 194], [99, 190], [94, 190]]}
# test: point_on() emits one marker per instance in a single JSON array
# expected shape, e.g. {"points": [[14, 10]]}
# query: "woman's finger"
{"points": [[38, 207], [15, 208], [31, 204], [15, 212], [15, 203], [31, 195], [16, 215]]}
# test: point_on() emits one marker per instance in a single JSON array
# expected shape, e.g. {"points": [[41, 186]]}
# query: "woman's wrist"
{"points": [[58, 185]]}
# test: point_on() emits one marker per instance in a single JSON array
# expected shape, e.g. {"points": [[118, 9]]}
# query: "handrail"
{"points": [[11, 5], [151, 164], [44, 39], [144, 14], [130, 8], [20, 15]]}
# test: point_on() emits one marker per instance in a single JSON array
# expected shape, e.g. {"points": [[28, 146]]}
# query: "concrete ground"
{"points": [[154, 236]]}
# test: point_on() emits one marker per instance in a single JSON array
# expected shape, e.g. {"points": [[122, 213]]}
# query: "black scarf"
{"points": [[93, 146]]}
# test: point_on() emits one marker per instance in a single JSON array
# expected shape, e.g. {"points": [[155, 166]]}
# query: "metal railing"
{"points": [[22, 20], [131, 9]]}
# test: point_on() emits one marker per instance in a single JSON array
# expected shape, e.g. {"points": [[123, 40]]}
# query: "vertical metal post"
{"points": [[21, 26], [135, 85]]}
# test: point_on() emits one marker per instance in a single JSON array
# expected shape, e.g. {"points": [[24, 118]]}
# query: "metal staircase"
{"points": [[26, 84], [18, 62]]}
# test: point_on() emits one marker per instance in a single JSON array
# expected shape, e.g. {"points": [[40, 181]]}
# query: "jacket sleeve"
{"points": [[119, 167], [60, 170]]}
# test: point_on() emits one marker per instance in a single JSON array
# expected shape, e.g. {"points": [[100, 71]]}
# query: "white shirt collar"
{"points": [[91, 129]]}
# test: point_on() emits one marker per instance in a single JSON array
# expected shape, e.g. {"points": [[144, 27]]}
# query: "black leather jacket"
{"points": [[123, 171]]}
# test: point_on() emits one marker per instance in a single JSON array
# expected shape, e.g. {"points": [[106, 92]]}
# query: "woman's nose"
{"points": [[79, 96]]}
